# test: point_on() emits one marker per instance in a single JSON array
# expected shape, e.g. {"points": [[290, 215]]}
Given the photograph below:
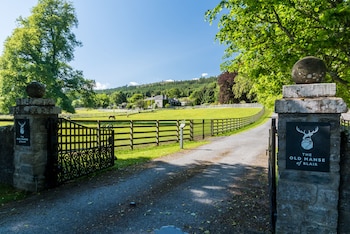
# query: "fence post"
{"points": [[98, 133], [222, 126], [182, 126], [157, 132], [212, 127], [272, 174], [111, 141], [177, 130], [131, 134], [191, 130], [309, 156], [52, 149], [203, 134], [31, 155]]}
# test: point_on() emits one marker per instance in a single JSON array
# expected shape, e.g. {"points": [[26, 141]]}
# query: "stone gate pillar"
{"points": [[308, 152], [30, 149]]}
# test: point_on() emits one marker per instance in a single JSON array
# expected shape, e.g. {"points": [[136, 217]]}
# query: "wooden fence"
{"points": [[133, 133], [6, 121], [345, 124]]}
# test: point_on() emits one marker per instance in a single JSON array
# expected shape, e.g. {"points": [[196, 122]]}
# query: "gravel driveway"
{"points": [[193, 190]]}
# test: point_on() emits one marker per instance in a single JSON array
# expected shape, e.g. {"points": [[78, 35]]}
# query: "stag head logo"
{"points": [[307, 143], [21, 127]]}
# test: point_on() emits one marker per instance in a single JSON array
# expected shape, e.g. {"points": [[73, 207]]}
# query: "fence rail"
{"points": [[6, 121], [220, 126], [133, 133], [345, 124], [75, 150]]}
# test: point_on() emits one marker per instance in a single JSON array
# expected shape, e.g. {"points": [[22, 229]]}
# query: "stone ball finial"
{"points": [[309, 70], [35, 89]]}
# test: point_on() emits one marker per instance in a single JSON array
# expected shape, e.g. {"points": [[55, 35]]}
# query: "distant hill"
{"points": [[186, 86]]}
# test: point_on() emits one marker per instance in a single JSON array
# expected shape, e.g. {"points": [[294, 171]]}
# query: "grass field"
{"points": [[144, 130], [162, 114], [140, 155], [159, 114]]}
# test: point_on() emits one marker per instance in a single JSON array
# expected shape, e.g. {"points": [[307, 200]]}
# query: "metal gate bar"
{"points": [[272, 174], [81, 150]]}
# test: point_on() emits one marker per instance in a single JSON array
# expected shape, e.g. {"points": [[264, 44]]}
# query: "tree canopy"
{"points": [[226, 81], [192, 92], [265, 38], [40, 49]]}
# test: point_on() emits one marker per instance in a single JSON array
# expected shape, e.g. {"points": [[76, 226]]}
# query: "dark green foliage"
{"points": [[197, 92], [226, 81], [205, 95], [183, 88], [265, 38]]}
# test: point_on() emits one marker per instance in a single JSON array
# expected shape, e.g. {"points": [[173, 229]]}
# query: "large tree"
{"points": [[226, 81], [117, 98], [40, 49], [264, 38], [205, 95]]}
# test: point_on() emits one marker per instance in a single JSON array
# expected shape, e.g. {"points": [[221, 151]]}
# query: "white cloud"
{"points": [[204, 74], [132, 83], [99, 86]]}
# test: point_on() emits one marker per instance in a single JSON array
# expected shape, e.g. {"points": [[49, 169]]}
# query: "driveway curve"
{"points": [[193, 190]]}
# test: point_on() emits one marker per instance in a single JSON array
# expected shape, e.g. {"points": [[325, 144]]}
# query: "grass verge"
{"points": [[9, 194], [140, 155]]}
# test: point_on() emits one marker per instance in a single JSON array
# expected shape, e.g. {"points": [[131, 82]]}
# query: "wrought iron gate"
{"points": [[76, 150], [272, 175]]}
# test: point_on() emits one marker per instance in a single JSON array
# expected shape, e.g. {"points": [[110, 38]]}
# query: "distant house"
{"points": [[160, 101]]}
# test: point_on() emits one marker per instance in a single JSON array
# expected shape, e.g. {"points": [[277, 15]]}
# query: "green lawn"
{"points": [[140, 155], [144, 132], [161, 114], [8, 194]]}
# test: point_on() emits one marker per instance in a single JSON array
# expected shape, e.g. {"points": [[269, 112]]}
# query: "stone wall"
{"points": [[307, 201], [6, 155], [30, 156], [307, 193]]}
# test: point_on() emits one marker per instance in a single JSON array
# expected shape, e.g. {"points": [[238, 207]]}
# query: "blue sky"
{"points": [[137, 41]]}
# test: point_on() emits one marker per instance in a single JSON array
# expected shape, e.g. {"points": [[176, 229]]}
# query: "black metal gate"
{"points": [[272, 174], [75, 150]]}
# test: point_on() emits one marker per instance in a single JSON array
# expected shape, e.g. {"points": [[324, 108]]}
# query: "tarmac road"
{"points": [[189, 190]]}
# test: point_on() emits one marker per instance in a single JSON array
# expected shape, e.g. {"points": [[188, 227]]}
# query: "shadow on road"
{"points": [[201, 197]]}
